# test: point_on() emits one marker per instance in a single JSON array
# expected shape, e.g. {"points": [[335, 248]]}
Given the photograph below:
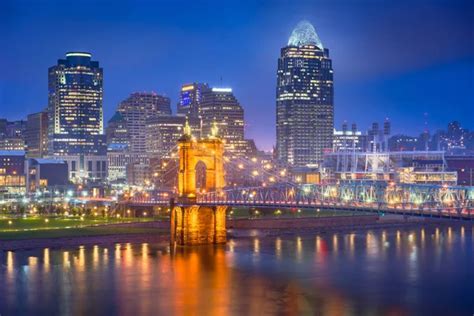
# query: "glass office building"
{"points": [[75, 116], [305, 105]]}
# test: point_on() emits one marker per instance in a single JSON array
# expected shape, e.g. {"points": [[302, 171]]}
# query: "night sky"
{"points": [[396, 59]]}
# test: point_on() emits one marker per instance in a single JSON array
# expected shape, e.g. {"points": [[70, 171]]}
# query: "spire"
{"points": [[214, 130], [187, 129]]}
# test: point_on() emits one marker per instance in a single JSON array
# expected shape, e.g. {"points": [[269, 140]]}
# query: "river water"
{"points": [[409, 271]]}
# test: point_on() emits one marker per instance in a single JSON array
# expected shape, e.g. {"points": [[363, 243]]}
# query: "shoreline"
{"points": [[316, 226]]}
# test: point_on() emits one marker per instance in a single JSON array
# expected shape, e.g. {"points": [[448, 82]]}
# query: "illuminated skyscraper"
{"points": [[76, 127], [190, 99], [305, 106]]}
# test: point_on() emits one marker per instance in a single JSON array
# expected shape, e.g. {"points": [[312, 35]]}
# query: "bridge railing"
{"points": [[395, 198]]}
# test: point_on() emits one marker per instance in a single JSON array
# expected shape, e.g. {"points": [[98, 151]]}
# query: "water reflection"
{"points": [[365, 272]]}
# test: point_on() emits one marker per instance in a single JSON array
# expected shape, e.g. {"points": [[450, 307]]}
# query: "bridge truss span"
{"points": [[382, 197]]}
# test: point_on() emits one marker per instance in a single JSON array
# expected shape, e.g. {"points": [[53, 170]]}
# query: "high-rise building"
{"points": [[75, 115], [36, 135], [305, 105], [136, 109], [220, 107], [163, 132], [190, 99]]}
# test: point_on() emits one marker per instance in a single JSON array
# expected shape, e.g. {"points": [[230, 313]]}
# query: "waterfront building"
{"points": [[36, 135], [75, 117], [305, 99], [426, 167], [12, 173], [46, 174]]}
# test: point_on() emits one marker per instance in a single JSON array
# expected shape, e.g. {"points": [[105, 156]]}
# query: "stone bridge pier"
{"points": [[201, 167]]}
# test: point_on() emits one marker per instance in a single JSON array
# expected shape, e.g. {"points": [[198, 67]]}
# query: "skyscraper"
{"points": [[75, 115], [304, 99]]}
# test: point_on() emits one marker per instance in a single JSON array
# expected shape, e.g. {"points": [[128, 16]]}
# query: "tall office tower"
{"points": [[189, 104], [36, 135], [305, 106], [219, 106], [75, 117], [163, 132], [136, 109]]}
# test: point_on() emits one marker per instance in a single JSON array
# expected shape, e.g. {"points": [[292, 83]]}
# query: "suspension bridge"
{"points": [[276, 190]]}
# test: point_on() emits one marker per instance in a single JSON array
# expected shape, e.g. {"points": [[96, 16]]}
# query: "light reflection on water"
{"points": [[425, 271]]}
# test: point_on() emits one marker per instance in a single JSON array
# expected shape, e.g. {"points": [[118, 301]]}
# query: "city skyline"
{"points": [[391, 84]]}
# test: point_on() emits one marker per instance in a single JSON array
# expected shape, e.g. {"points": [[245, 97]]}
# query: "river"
{"points": [[407, 271]]}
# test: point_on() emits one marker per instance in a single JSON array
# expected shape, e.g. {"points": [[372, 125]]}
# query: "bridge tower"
{"points": [[201, 167]]}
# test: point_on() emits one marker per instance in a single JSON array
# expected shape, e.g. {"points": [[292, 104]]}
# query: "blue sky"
{"points": [[396, 59]]}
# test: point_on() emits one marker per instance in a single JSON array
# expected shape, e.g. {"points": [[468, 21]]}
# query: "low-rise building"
{"points": [[12, 173], [46, 173]]}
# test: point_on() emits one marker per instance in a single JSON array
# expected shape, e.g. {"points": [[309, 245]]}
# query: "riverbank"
{"points": [[158, 231]]}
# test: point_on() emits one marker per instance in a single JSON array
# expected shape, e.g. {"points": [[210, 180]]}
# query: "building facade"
{"points": [[12, 173], [305, 102], [219, 107], [46, 174], [75, 116], [136, 109], [163, 132], [36, 135]]}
